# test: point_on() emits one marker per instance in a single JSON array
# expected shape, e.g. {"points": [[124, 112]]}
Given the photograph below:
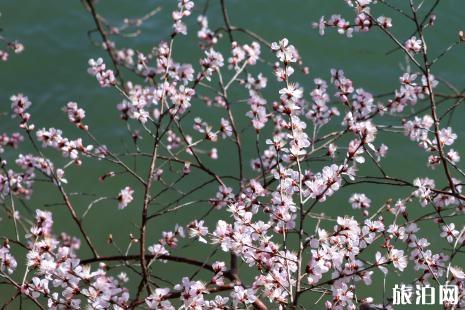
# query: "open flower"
{"points": [[399, 260], [125, 197], [413, 45]]}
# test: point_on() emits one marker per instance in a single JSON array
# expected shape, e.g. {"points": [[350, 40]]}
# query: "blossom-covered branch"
{"points": [[255, 232]]}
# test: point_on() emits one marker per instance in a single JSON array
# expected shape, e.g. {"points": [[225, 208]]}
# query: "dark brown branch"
{"points": [[106, 41]]}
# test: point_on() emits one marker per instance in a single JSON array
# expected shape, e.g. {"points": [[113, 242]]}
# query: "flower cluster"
{"points": [[19, 105], [184, 9], [53, 138], [363, 21], [105, 77], [76, 115], [11, 141]]}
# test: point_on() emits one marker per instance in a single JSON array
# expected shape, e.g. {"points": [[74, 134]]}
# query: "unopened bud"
{"points": [[133, 238], [461, 36], [432, 19]]}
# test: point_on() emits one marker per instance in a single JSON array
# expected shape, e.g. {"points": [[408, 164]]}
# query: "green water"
{"points": [[52, 71]]}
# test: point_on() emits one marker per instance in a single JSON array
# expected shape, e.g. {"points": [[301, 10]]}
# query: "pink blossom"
{"points": [[449, 232], [360, 201], [385, 22], [106, 78], [125, 197], [242, 296], [413, 45], [398, 259]]}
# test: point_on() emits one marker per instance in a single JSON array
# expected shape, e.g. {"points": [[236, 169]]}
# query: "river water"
{"points": [[52, 71]]}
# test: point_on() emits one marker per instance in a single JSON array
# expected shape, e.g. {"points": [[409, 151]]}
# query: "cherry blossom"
{"points": [[106, 78], [125, 197], [413, 45]]}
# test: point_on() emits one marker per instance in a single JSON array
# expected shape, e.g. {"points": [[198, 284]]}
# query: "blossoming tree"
{"points": [[273, 247]]}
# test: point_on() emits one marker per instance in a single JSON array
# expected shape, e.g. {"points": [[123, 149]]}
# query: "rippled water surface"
{"points": [[52, 71]]}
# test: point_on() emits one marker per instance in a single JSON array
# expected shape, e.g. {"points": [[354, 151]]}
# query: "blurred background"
{"points": [[53, 70]]}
